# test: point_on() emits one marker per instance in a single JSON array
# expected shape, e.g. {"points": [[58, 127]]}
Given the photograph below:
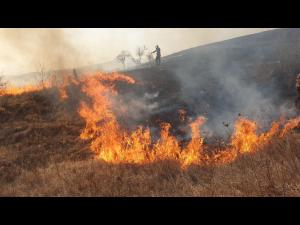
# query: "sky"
{"points": [[26, 50]]}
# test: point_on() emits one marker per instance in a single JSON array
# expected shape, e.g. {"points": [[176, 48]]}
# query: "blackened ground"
{"points": [[39, 134], [194, 80], [165, 89]]}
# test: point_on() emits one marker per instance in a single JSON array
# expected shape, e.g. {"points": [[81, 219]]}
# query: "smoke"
{"points": [[217, 83], [220, 81], [22, 49], [138, 108], [47, 48]]}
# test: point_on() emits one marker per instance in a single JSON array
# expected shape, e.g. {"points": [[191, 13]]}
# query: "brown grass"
{"points": [[272, 172], [41, 154]]}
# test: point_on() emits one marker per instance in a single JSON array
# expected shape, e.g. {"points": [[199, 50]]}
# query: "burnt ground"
{"points": [[166, 95], [38, 129], [252, 75], [41, 154]]}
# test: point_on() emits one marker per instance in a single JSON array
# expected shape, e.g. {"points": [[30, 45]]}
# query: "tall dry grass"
{"points": [[41, 154], [273, 171]]}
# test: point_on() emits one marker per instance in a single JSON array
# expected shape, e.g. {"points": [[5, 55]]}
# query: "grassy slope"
{"points": [[41, 155]]}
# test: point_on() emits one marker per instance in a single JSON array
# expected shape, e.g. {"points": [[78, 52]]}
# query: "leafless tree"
{"points": [[122, 57], [140, 52]]}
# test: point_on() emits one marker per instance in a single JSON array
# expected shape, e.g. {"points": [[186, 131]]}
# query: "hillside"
{"points": [[204, 123], [41, 154], [252, 75]]}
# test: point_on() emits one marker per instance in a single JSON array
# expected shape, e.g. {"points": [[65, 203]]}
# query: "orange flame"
{"points": [[291, 124], [14, 90], [245, 138], [115, 145], [50, 83]]}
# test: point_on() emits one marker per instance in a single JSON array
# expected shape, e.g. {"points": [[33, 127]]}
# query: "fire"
{"points": [[193, 153], [291, 124], [63, 94], [14, 90], [245, 138], [109, 141], [114, 144], [49, 83]]}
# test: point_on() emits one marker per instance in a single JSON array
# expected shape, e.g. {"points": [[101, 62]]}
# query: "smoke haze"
{"points": [[24, 50]]}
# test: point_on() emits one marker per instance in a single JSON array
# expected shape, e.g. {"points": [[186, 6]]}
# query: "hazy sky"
{"points": [[23, 50]]}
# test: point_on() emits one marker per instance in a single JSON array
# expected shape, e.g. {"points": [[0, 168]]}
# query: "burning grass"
{"points": [[273, 172], [68, 141], [115, 145]]}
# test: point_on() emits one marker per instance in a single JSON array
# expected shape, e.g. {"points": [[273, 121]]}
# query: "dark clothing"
{"points": [[158, 55], [157, 60], [157, 52]]}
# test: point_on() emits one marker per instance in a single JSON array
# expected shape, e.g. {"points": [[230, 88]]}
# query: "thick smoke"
{"points": [[47, 48], [225, 82], [222, 81]]}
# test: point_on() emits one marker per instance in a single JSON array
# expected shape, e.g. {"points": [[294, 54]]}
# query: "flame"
{"points": [[193, 153], [245, 138], [50, 83], [291, 124], [14, 90], [115, 145]]}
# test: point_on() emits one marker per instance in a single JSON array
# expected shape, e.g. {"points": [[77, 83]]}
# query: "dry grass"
{"points": [[41, 154], [271, 172]]}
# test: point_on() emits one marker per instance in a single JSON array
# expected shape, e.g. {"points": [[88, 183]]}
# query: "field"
{"points": [[137, 132], [273, 172], [42, 154]]}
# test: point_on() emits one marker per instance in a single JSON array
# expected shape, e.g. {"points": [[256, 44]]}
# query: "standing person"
{"points": [[158, 55]]}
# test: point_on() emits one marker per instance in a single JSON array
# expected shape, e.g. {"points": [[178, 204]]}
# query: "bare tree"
{"points": [[122, 57], [136, 61], [140, 52]]}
